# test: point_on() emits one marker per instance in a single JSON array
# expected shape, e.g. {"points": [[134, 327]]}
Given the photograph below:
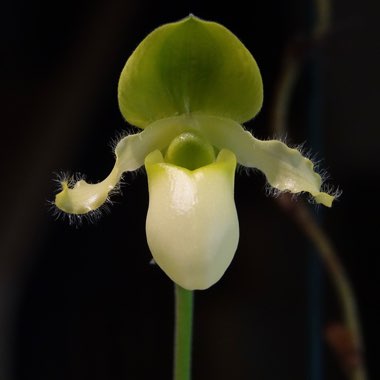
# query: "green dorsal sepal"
{"points": [[190, 67]]}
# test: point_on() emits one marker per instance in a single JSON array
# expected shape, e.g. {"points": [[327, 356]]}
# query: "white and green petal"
{"points": [[82, 197], [192, 226], [286, 169]]}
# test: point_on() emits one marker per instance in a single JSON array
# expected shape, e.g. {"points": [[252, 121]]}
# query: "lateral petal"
{"points": [[81, 197], [285, 168]]}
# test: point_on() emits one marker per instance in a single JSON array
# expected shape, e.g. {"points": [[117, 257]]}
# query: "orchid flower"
{"points": [[189, 86]]}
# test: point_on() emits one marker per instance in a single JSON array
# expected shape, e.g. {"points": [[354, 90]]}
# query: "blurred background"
{"points": [[83, 302]]}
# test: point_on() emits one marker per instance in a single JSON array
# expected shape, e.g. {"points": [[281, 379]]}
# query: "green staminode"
{"points": [[190, 151]]}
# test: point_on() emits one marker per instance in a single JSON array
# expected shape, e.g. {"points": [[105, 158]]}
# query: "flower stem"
{"points": [[183, 333]]}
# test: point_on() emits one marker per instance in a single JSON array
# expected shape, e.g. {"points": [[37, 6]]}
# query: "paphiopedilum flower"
{"points": [[190, 85]]}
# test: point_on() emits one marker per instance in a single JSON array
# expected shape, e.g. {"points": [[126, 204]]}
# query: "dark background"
{"points": [[84, 303]]}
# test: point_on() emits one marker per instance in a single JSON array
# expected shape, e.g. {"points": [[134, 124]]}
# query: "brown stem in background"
{"points": [[344, 338]]}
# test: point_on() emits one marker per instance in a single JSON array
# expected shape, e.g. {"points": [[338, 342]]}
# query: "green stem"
{"points": [[183, 333]]}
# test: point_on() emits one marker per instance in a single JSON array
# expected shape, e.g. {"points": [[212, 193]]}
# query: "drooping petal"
{"points": [[286, 169], [82, 197], [192, 226]]}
